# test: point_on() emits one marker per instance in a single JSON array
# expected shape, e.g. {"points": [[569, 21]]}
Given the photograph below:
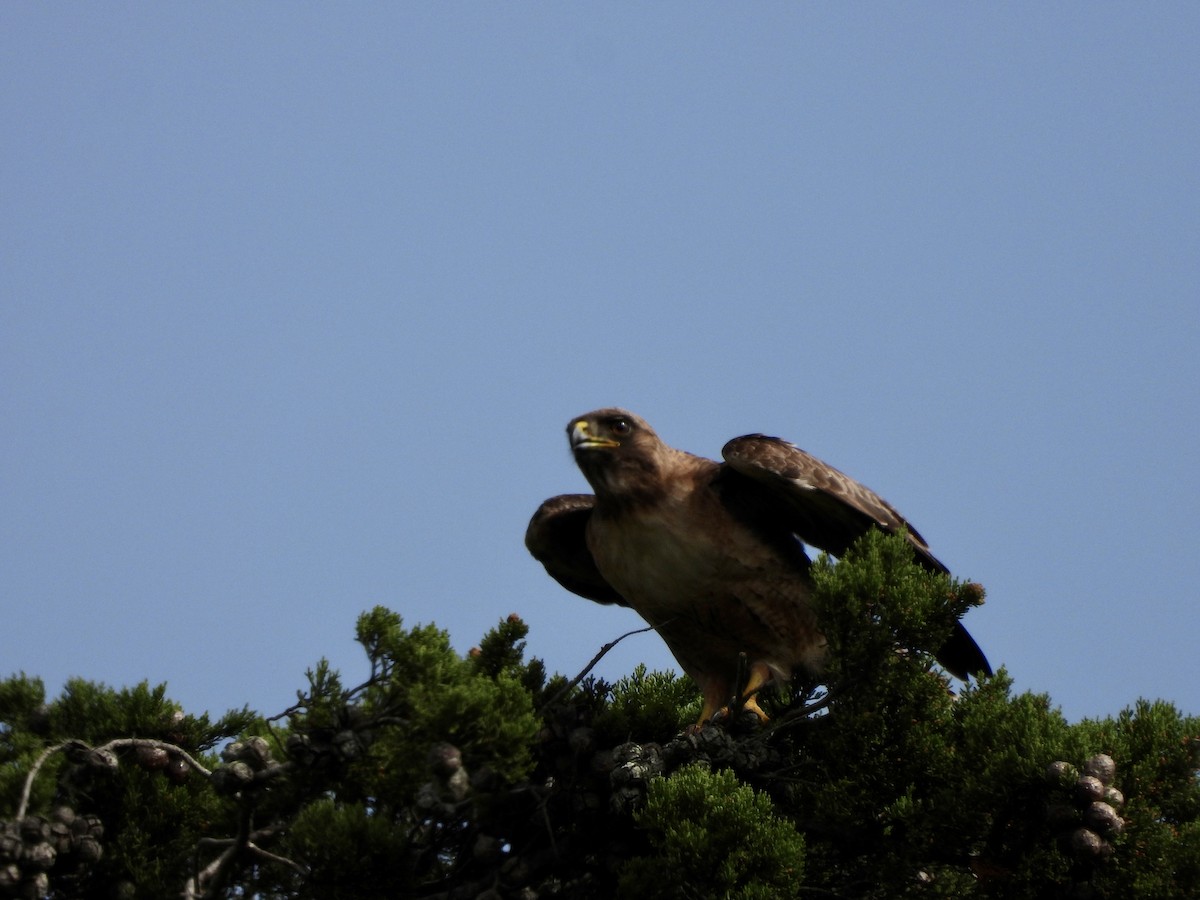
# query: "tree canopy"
{"points": [[482, 776]]}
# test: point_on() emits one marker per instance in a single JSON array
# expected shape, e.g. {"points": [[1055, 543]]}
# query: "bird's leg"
{"points": [[760, 674], [717, 696]]}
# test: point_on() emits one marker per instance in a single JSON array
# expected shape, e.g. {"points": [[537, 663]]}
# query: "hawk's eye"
{"points": [[620, 427]]}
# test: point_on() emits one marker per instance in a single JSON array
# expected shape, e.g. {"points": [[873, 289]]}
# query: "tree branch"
{"points": [[27, 789], [595, 659]]}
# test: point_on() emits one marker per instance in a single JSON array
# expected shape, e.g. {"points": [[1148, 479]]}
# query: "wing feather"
{"points": [[830, 510], [827, 508], [556, 537]]}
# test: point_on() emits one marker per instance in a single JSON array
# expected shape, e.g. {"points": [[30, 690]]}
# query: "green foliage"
{"points": [[93, 712], [502, 652], [150, 824], [1159, 756], [713, 837], [349, 852], [648, 706], [878, 600], [24, 726], [480, 705], [444, 775]]}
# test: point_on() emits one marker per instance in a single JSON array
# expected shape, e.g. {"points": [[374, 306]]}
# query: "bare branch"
{"points": [[160, 745], [804, 713], [276, 858], [27, 789], [33, 771], [595, 659]]}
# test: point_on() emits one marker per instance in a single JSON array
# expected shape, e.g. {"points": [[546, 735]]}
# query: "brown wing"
{"points": [[556, 538], [827, 508], [830, 510]]}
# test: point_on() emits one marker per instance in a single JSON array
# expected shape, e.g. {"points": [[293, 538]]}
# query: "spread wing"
{"points": [[830, 510], [826, 508], [556, 538]]}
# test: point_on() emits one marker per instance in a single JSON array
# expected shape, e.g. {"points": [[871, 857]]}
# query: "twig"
{"points": [[739, 699], [213, 875], [276, 858], [595, 659], [303, 701], [192, 889], [197, 886], [803, 713]]}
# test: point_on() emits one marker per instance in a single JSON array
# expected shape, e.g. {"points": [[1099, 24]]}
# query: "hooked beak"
{"points": [[582, 439]]}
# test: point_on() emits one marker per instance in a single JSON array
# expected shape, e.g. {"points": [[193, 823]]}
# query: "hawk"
{"points": [[711, 554]]}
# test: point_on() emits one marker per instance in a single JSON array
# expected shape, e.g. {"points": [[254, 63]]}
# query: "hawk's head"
{"points": [[619, 454]]}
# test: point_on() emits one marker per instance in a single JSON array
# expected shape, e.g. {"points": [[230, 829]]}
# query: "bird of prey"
{"points": [[711, 554]]}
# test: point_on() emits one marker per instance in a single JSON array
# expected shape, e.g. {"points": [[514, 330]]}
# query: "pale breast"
{"points": [[714, 587], [667, 557], [653, 562]]}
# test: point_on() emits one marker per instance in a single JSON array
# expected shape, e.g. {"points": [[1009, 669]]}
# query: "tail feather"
{"points": [[961, 656]]}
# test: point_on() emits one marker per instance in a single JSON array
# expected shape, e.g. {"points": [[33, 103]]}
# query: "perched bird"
{"points": [[711, 554]]}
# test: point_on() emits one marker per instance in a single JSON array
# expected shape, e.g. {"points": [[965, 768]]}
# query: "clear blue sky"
{"points": [[297, 299]]}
